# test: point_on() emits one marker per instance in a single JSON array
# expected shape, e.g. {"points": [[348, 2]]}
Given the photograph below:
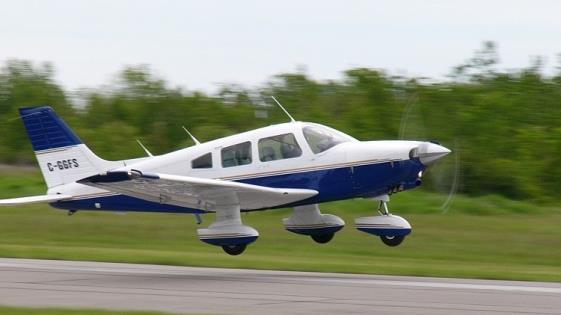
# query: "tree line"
{"points": [[504, 125]]}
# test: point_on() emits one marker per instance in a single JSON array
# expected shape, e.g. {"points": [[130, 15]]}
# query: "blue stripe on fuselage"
{"points": [[332, 184]]}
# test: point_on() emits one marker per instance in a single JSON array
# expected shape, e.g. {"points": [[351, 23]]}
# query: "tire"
{"points": [[234, 249], [392, 241], [322, 238]]}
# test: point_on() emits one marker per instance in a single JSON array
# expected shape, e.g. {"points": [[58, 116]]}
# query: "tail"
{"points": [[62, 156]]}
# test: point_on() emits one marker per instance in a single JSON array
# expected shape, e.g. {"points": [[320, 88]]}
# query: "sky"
{"points": [[200, 45]]}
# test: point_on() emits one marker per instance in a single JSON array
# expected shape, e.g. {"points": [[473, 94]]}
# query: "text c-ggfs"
{"points": [[63, 165]]}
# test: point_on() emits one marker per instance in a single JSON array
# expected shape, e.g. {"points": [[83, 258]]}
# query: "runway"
{"points": [[72, 284]]}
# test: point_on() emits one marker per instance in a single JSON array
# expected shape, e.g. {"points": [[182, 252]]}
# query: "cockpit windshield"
{"points": [[321, 139]]}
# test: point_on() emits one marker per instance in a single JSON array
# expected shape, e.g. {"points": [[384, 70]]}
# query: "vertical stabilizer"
{"points": [[62, 156]]}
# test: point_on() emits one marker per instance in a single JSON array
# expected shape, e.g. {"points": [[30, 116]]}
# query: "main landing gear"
{"points": [[391, 229], [308, 220], [228, 231]]}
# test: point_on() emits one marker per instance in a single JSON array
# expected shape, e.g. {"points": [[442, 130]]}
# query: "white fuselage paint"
{"points": [[351, 153]]}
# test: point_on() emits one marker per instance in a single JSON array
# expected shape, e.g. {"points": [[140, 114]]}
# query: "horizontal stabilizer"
{"points": [[33, 199]]}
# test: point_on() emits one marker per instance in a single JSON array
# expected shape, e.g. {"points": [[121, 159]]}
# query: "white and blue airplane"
{"points": [[294, 164]]}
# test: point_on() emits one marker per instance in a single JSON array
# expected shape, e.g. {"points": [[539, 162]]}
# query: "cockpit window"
{"points": [[278, 148], [235, 155], [322, 139]]}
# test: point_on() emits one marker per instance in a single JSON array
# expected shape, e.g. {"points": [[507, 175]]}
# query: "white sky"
{"points": [[200, 44]]}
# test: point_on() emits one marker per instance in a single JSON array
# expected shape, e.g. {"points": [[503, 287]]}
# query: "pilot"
{"points": [[290, 150], [243, 157]]}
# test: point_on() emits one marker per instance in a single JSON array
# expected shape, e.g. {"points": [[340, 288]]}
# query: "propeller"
{"points": [[444, 175]]}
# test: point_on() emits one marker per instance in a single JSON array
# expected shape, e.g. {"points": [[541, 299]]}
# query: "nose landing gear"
{"points": [[391, 229]]}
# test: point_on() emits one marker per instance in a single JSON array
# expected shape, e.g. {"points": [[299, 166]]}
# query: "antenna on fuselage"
{"points": [[190, 135], [144, 148], [283, 109]]}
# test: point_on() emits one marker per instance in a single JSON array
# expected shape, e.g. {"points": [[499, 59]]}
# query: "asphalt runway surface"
{"points": [[69, 284]]}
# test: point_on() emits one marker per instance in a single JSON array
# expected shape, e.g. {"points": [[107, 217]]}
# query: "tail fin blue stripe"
{"points": [[46, 130]]}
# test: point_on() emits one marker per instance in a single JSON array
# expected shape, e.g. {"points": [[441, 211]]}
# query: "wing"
{"points": [[194, 192], [33, 199]]}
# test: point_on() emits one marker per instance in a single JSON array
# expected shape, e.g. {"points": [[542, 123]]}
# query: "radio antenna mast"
{"points": [[144, 148], [190, 135], [283, 109]]}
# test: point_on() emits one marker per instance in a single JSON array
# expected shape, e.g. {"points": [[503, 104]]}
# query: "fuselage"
{"points": [[290, 155]]}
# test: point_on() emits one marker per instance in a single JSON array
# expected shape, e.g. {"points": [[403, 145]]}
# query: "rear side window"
{"points": [[203, 161], [235, 155], [279, 147]]}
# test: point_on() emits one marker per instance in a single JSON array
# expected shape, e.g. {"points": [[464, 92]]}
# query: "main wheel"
{"points": [[234, 249], [392, 240], [322, 238]]}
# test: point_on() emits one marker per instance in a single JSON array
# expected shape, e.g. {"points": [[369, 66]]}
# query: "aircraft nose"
{"points": [[430, 152]]}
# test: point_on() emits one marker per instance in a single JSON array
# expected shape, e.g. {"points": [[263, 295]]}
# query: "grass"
{"points": [[4, 310], [486, 237]]}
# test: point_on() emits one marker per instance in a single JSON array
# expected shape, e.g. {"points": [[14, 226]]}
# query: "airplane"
{"points": [[293, 164]]}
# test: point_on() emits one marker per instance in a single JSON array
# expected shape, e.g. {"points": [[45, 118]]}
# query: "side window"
{"points": [[239, 154], [203, 161], [278, 148]]}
